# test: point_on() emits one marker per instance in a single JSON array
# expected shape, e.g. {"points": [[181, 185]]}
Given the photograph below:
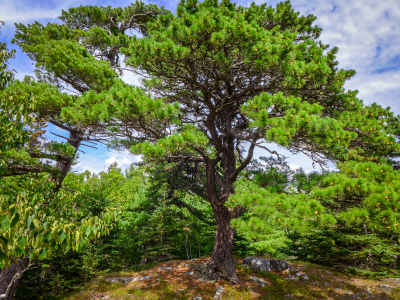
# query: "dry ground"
{"points": [[323, 283]]}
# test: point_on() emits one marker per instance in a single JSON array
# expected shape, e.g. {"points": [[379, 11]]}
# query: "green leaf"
{"points": [[34, 254], [14, 210], [62, 235], [88, 230], [29, 222], [108, 218], [54, 231], [36, 223], [22, 242], [15, 220], [44, 225], [3, 256], [43, 254], [4, 240], [5, 222]]}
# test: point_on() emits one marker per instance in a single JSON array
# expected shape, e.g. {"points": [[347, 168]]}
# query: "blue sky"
{"points": [[366, 32]]}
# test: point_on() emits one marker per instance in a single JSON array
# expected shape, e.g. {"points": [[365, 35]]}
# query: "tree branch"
{"points": [[62, 126], [89, 146], [74, 192], [244, 164], [58, 135]]}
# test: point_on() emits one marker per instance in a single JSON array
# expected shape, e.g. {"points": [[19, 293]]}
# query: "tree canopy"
{"points": [[224, 79]]}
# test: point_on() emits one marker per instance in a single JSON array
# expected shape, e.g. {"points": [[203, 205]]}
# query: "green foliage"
{"points": [[170, 221], [6, 75], [359, 202], [263, 45], [270, 216], [340, 249], [14, 111], [355, 218], [272, 174], [263, 40], [152, 226], [37, 223], [155, 224], [59, 275], [365, 273], [363, 196]]}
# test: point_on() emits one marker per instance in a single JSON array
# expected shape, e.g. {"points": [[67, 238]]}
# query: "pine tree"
{"points": [[364, 198], [279, 204], [79, 56], [220, 77]]}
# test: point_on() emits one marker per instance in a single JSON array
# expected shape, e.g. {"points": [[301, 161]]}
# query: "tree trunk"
{"points": [[222, 264], [74, 140], [9, 278], [64, 166]]}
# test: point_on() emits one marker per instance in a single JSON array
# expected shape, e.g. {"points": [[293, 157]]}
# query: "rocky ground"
{"points": [[260, 279]]}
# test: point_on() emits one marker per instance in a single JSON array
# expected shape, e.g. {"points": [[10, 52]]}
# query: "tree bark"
{"points": [[222, 264], [65, 165], [9, 278]]}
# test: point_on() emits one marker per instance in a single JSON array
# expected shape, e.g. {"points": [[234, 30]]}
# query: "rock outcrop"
{"points": [[259, 281], [218, 293], [127, 279], [266, 264]]}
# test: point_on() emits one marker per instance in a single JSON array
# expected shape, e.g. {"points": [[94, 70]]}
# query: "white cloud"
{"points": [[124, 159], [131, 78], [91, 163], [27, 11], [295, 161], [96, 164], [23, 11]]}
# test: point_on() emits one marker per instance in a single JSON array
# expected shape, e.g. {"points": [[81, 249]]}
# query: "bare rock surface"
{"points": [[345, 292], [266, 264], [386, 286], [199, 276], [127, 279], [294, 278], [218, 293], [259, 281]]}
